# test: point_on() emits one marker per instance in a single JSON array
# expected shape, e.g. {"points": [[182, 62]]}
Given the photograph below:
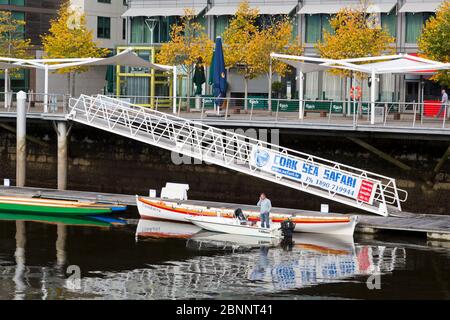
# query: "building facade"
{"points": [[145, 25], [149, 23], [37, 15]]}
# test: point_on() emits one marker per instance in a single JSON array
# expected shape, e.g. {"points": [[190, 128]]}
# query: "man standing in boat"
{"points": [[265, 206]]}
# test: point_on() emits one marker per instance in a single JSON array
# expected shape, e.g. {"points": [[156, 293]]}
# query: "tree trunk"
{"points": [[269, 76], [245, 94], [73, 84], [68, 83], [188, 89]]}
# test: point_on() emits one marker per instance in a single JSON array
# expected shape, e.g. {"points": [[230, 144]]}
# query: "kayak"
{"points": [[40, 200], [46, 207]]}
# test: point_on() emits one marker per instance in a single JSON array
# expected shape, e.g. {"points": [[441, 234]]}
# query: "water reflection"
{"points": [[251, 268], [166, 260], [24, 275]]}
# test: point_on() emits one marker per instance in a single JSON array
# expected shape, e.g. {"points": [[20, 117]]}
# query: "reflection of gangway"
{"points": [[233, 151]]}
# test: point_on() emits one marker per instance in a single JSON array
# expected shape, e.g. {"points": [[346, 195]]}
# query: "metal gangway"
{"points": [[324, 178]]}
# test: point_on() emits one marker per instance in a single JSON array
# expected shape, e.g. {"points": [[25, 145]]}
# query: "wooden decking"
{"points": [[434, 226]]}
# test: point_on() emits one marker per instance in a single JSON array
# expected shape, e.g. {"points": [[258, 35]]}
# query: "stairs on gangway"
{"points": [[324, 178]]}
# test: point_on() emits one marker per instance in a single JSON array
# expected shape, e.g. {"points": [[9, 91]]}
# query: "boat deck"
{"points": [[434, 226]]}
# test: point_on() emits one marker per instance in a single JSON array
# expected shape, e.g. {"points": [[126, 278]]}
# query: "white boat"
{"points": [[308, 222], [234, 226]]}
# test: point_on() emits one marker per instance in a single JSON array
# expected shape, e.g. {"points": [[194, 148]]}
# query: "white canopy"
{"points": [[332, 8], [9, 65], [401, 63], [313, 64], [424, 6], [126, 58]]}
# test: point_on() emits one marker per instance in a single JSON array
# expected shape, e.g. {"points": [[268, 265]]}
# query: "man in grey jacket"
{"points": [[265, 206], [444, 103]]}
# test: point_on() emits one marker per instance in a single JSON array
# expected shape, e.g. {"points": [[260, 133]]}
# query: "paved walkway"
{"points": [[285, 120]]}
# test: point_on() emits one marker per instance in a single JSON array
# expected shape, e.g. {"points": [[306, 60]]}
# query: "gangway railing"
{"points": [[321, 177]]}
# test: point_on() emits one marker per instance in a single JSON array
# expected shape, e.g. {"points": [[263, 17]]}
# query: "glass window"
{"points": [[104, 27], [13, 2], [140, 33], [389, 23], [20, 29], [104, 1], [220, 24], [316, 25], [312, 28], [326, 26], [414, 25]]}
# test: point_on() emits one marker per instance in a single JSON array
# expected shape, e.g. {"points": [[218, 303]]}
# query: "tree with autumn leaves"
{"points": [[69, 37], [238, 42], [189, 44], [12, 41], [434, 41], [247, 46], [355, 34]]}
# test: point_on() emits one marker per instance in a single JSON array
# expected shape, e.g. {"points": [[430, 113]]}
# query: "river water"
{"points": [[144, 259]]}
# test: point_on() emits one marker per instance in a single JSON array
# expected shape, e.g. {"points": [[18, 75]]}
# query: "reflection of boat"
{"points": [[73, 221], [165, 229], [324, 243], [50, 207], [248, 273], [234, 226], [173, 211], [229, 240]]}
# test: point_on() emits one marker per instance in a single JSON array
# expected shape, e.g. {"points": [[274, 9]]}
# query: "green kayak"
{"points": [[72, 221], [22, 207]]}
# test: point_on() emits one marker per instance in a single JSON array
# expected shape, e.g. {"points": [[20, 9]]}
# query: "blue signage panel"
{"points": [[318, 175]]}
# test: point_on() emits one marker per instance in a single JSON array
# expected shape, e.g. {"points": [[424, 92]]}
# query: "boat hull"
{"points": [[154, 209], [225, 225], [65, 220], [51, 210]]}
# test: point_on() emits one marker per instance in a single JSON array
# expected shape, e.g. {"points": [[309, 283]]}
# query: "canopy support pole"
{"points": [[300, 96], [174, 91], [46, 89], [372, 98], [270, 85]]}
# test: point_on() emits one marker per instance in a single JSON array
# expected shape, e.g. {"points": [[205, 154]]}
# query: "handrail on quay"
{"points": [[348, 115]]}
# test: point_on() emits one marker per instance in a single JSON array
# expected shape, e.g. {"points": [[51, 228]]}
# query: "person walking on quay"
{"points": [[265, 206], [444, 102]]}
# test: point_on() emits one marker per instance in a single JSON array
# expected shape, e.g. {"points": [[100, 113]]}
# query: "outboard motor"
{"points": [[240, 215], [287, 228]]}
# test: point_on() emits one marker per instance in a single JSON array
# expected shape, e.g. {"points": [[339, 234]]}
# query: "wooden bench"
{"points": [[323, 113]]}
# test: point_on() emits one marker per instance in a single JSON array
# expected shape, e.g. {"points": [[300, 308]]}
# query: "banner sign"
{"points": [[317, 175]]}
